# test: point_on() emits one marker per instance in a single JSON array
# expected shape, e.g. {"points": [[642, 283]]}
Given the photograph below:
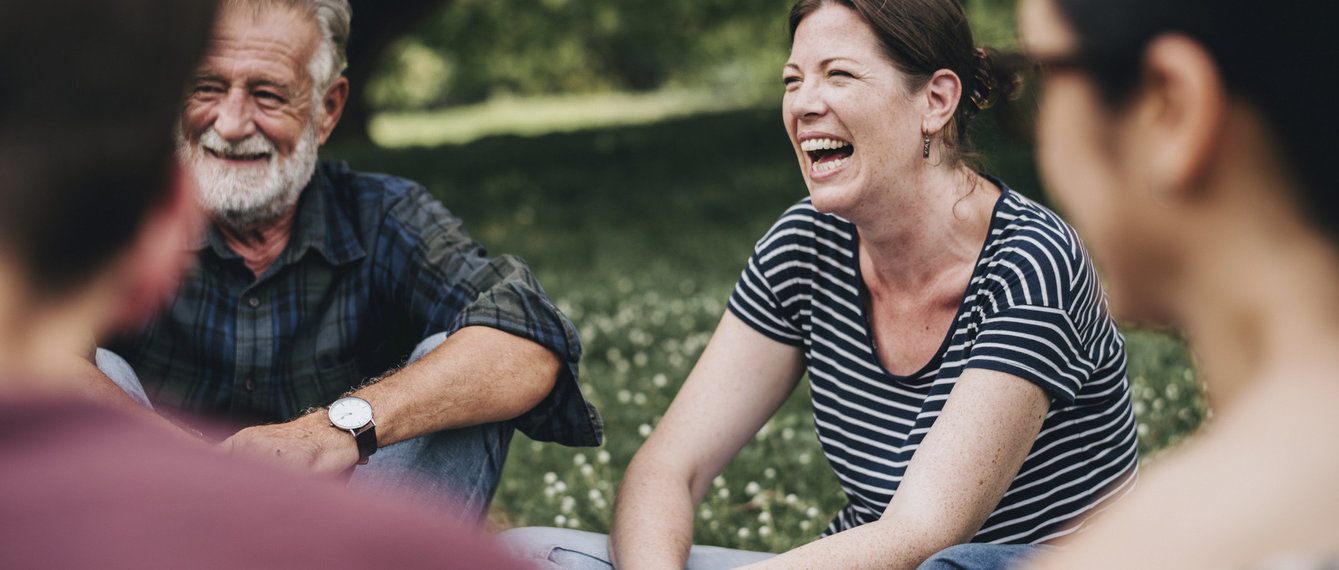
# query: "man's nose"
{"points": [[236, 116]]}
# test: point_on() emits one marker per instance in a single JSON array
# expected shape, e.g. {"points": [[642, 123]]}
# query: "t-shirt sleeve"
{"points": [[776, 266], [1041, 316]]}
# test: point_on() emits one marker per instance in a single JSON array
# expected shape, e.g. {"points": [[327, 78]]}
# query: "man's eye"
{"points": [[271, 97], [204, 89]]}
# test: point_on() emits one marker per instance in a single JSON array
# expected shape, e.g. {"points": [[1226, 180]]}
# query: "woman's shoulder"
{"points": [[803, 226], [1033, 251]]}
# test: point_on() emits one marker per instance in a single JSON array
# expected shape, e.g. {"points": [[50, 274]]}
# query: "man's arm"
{"points": [[477, 375]]}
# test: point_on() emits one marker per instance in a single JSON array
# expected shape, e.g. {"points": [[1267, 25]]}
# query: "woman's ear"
{"points": [[942, 92], [1180, 115]]}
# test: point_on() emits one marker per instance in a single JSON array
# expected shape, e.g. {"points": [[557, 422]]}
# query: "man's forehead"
{"points": [[276, 36]]}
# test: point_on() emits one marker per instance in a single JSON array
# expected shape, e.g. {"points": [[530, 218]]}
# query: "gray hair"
{"points": [[332, 19]]}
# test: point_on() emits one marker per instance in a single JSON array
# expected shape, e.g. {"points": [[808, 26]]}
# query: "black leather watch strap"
{"points": [[367, 442]]}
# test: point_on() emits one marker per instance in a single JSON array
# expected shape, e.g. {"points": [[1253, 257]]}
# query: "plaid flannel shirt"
{"points": [[374, 266]]}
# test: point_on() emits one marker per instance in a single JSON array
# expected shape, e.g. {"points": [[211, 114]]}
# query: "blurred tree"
{"points": [[418, 54]]}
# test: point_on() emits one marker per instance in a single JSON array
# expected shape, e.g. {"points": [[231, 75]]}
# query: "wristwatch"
{"points": [[354, 415]]}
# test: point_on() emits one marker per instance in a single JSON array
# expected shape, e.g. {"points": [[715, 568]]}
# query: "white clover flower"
{"points": [[550, 478], [639, 399], [769, 473], [804, 458], [550, 492], [560, 487], [587, 470], [660, 380], [579, 459], [788, 434], [624, 396], [723, 493], [719, 481], [594, 494], [568, 504], [705, 513], [811, 512], [765, 532], [791, 499], [752, 488], [804, 525], [743, 532], [602, 456], [560, 520], [764, 517], [573, 522], [644, 429]]}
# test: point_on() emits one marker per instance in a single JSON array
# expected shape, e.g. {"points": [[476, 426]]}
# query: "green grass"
{"points": [[638, 233]]}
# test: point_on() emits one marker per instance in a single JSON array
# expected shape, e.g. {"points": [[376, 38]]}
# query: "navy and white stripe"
{"points": [[1034, 308]]}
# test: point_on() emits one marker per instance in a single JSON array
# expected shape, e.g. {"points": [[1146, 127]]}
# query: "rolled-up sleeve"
{"points": [[443, 281]]}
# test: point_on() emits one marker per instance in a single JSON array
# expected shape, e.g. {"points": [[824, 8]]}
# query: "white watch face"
{"points": [[350, 413]]}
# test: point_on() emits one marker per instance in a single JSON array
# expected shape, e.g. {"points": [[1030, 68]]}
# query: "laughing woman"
{"points": [[968, 384]]}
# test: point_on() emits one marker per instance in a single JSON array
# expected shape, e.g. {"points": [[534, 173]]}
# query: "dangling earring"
{"points": [[926, 152]]}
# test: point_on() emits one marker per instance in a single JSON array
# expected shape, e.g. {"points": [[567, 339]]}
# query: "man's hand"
{"points": [[308, 443]]}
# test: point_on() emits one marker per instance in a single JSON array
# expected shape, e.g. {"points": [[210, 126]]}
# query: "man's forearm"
{"points": [[477, 375]]}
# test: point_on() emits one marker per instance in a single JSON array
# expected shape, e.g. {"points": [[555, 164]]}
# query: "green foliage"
{"points": [[530, 47], [639, 233], [475, 49]]}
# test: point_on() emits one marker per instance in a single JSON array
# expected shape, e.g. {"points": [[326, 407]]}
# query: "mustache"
{"points": [[256, 144]]}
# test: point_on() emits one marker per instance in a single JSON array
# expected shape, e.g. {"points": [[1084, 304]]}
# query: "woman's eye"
{"points": [[790, 80], [838, 73]]}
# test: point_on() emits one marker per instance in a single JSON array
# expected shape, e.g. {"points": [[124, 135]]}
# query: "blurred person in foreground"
{"points": [[968, 383], [93, 210], [314, 284], [1192, 142]]}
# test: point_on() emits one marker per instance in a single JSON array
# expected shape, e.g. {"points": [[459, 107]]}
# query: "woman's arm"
{"points": [[739, 382], [954, 481]]}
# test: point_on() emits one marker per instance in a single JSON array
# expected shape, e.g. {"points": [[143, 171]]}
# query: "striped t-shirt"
{"points": [[1034, 308]]}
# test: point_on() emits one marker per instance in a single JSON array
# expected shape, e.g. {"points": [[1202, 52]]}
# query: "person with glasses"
{"points": [[1191, 143]]}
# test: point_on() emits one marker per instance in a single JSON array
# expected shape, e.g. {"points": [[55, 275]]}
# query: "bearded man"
{"points": [[313, 279]]}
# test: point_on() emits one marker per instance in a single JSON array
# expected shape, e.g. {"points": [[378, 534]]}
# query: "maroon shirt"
{"points": [[82, 486]]}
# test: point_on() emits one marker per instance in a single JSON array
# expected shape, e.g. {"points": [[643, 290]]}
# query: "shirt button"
{"points": [[250, 385], [253, 301]]}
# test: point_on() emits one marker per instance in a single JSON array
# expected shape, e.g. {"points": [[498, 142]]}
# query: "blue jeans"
{"points": [[454, 472], [973, 556], [581, 550]]}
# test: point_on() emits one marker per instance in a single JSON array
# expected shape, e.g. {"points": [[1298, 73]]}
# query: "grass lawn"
{"points": [[638, 233]]}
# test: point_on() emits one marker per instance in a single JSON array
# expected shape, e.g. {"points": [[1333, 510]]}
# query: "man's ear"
{"points": [[1181, 114], [332, 106], [155, 260], [941, 97]]}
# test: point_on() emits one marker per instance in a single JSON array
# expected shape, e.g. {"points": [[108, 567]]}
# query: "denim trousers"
{"points": [[580, 550], [454, 472]]}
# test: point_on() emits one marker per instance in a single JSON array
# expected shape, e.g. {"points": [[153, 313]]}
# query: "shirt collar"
{"points": [[322, 224]]}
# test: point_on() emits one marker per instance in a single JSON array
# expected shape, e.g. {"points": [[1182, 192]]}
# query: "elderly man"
{"points": [[314, 278], [92, 212]]}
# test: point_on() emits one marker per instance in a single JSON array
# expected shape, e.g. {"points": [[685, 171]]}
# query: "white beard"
{"points": [[244, 197]]}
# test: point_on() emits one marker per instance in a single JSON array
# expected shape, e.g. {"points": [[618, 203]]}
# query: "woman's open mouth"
{"points": [[827, 154]]}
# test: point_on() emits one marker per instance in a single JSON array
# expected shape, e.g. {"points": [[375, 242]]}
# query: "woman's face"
{"points": [[850, 119], [1086, 157]]}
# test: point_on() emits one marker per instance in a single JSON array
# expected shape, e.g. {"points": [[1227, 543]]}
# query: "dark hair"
{"points": [[1278, 58], [924, 36], [89, 93]]}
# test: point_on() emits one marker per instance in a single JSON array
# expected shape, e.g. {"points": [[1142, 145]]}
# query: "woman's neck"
{"points": [[938, 226]]}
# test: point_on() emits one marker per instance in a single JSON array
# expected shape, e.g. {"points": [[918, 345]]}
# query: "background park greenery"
{"points": [[635, 186]]}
